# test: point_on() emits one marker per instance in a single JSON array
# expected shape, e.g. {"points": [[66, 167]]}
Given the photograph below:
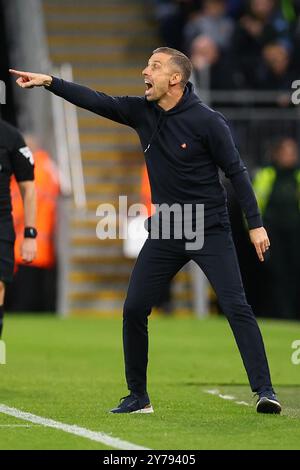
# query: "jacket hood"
{"points": [[188, 100]]}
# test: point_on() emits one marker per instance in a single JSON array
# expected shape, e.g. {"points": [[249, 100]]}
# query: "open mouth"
{"points": [[149, 86]]}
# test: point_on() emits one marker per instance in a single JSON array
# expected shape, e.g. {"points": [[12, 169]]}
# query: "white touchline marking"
{"points": [[18, 425], [242, 403], [226, 397], [114, 442], [212, 392]]}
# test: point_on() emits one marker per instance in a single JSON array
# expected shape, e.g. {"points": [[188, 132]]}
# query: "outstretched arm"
{"points": [[123, 109]]}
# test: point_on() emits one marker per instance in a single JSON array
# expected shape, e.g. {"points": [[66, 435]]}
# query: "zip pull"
{"points": [[156, 131], [146, 150]]}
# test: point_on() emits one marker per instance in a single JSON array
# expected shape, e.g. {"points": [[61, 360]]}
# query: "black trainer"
{"points": [[134, 404], [268, 403]]}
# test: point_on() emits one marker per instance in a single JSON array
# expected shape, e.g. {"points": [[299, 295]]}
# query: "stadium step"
{"points": [[108, 44]]}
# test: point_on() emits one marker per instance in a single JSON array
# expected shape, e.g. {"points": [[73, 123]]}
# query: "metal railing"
{"points": [[69, 162], [68, 150]]}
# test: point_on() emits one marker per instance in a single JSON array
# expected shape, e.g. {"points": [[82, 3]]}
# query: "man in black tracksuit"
{"points": [[184, 142]]}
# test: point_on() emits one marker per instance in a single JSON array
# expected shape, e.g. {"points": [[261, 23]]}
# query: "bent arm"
{"points": [[227, 157]]}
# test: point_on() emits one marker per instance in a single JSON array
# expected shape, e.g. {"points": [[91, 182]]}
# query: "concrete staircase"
{"points": [[108, 43]]}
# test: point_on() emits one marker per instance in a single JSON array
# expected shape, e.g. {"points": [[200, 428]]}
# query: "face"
{"points": [[262, 8], [204, 52], [277, 57], [287, 155], [159, 76], [215, 7]]}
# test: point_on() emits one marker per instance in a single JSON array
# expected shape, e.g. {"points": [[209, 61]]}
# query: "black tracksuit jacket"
{"points": [[183, 147]]}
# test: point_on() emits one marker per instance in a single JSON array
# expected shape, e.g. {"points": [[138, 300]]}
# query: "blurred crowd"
{"points": [[272, 287], [245, 44], [237, 45]]}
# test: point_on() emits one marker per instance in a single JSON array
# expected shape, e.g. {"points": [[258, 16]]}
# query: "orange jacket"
{"points": [[47, 187], [146, 192]]}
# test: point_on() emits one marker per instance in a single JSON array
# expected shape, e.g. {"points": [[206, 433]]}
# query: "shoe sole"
{"points": [[146, 410], [267, 406]]}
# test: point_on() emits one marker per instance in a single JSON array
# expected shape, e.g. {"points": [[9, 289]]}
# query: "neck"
{"points": [[170, 99]]}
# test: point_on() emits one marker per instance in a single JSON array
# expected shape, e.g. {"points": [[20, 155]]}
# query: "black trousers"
{"points": [[158, 261]]}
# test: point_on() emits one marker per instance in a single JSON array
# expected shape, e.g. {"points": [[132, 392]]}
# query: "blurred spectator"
{"points": [[172, 16], [263, 23], [278, 192], [212, 68], [213, 22], [277, 73], [34, 285]]}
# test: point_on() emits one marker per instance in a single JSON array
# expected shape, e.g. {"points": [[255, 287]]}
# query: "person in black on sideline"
{"points": [[184, 142]]}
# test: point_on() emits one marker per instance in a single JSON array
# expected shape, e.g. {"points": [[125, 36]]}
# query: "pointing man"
{"points": [[184, 142]]}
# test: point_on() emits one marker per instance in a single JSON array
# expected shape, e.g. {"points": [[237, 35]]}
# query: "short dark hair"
{"points": [[180, 60]]}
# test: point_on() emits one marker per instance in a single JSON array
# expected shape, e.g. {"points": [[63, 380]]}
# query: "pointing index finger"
{"points": [[18, 72]]}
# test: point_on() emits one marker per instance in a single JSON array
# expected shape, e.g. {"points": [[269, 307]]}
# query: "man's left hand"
{"points": [[260, 240]]}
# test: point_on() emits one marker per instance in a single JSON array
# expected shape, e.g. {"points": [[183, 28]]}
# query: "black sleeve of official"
{"points": [[121, 109], [227, 157], [22, 160]]}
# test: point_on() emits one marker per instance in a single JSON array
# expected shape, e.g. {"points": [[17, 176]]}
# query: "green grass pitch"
{"points": [[71, 370]]}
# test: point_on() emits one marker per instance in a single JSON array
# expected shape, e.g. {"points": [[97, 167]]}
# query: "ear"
{"points": [[176, 78]]}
